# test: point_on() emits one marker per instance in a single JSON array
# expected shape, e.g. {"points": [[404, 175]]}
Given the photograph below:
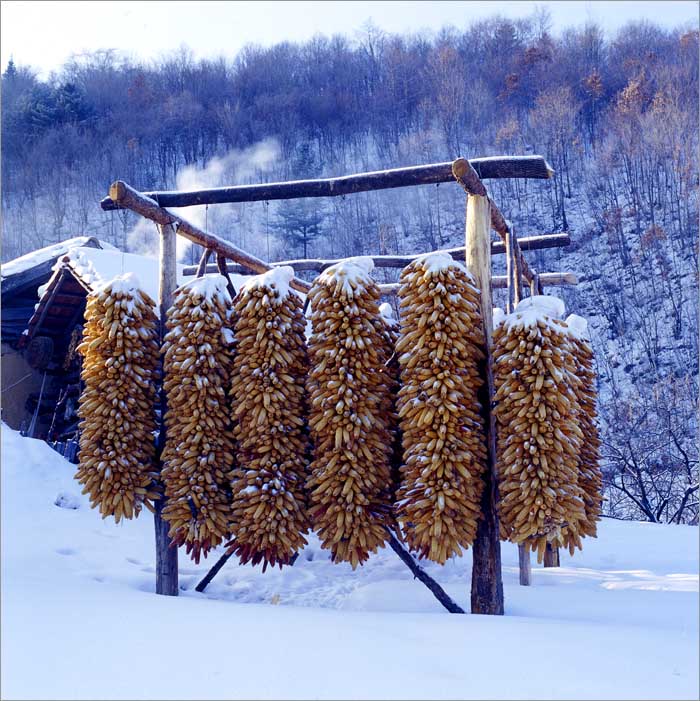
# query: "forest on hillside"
{"points": [[615, 115]]}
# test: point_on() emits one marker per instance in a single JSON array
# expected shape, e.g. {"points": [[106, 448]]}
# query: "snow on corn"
{"points": [[198, 454], [539, 439], [444, 454], [117, 405], [349, 385], [269, 408]]}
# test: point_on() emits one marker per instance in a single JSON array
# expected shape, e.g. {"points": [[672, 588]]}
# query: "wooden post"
{"points": [[487, 583], [517, 269], [551, 556], [536, 284], [524, 565], [223, 270], [129, 198], [166, 553], [202, 267]]}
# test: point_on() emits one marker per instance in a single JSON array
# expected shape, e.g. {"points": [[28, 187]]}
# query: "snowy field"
{"points": [[80, 620]]}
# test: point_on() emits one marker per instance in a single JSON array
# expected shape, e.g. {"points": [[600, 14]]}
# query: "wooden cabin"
{"points": [[43, 303], [22, 280]]}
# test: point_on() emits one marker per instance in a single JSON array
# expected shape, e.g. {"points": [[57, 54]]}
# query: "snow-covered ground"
{"points": [[80, 620]]}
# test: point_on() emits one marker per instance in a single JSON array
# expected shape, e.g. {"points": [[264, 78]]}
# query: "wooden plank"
{"points": [[131, 199], [487, 583], [166, 554], [537, 283], [221, 265], [497, 167], [318, 265], [420, 574], [69, 298], [42, 311], [500, 282], [60, 311], [517, 269]]}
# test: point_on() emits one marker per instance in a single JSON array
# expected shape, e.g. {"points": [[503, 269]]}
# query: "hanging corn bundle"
{"points": [[538, 434], [350, 482], [444, 452], [590, 478], [268, 399], [198, 454], [388, 329], [117, 406]]}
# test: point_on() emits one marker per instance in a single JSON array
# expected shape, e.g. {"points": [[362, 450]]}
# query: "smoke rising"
{"points": [[237, 166]]}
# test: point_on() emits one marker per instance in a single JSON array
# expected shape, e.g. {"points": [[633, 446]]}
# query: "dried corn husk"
{"points": [[198, 455], [444, 451], [350, 483], [117, 406], [269, 409], [539, 438], [590, 478]]}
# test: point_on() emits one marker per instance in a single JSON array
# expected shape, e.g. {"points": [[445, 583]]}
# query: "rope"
{"points": [[32, 425], [14, 384]]}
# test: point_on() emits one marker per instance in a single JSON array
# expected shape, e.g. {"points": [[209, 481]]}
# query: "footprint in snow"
{"points": [[66, 551]]}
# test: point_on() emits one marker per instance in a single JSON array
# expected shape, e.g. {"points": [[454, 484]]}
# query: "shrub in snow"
{"points": [[269, 408], [350, 483], [444, 451], [198, 454], [117, 406]]}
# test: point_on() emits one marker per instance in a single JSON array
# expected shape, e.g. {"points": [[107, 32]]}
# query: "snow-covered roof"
{"points": [[95, 267], [42, 255]]}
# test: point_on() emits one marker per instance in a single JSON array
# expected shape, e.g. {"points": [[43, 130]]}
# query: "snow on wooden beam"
{"points": [[492, 167], [500, 282], [128, 198], [528, 243]]}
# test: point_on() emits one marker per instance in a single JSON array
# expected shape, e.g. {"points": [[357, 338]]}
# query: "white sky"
{"points": [[44, 34]]}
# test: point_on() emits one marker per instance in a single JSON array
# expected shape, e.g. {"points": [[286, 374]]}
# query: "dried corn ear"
{"points": [[590, 478], [539, 439], [444, 450], [198, 455], [350, 482], [117, 407], [268, 399]]}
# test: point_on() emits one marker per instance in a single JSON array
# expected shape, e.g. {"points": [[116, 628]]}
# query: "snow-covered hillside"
{"points": [[80, 620]]}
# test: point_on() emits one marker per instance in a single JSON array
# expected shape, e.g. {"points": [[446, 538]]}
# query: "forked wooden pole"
{"points": [[487, 583], [166, 554]]}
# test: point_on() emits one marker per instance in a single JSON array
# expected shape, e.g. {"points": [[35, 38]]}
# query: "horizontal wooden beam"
{"points": [[492, 167], [527, 243], [501, 282], [128, 198]]}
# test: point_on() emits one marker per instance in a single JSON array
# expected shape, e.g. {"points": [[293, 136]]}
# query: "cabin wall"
{"points": [[18, 382]]}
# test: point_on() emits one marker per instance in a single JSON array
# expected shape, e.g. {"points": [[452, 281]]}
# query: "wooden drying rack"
{"points": [[481, 216]]}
